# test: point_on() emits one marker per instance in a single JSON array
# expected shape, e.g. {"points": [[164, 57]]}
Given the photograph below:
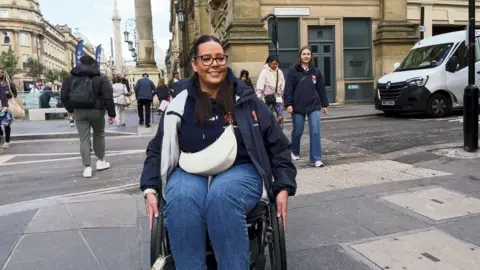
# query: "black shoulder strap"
{"points": [[276, 83], [300, 82]]}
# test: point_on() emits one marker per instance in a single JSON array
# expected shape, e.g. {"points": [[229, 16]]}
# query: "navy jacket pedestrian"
{"points": [[305, 90], [144, 89], [258, 127]]}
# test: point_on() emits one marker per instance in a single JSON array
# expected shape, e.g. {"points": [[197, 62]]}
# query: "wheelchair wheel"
{"points": [[277, 247]]}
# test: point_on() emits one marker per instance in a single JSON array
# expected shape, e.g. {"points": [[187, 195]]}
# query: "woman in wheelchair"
{"points": [[215, 155]]}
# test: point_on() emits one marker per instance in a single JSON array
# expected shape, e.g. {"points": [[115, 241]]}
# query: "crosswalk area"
{"points": [[455, 119]]}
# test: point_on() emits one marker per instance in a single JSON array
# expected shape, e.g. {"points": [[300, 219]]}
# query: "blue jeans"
{"points": [[298, 121], [192, 209]]}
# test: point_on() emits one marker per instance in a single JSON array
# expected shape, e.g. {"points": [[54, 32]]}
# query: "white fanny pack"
{"points": [[216, 158]]}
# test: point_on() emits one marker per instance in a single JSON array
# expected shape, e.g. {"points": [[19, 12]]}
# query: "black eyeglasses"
{"points": [[207, 60]]}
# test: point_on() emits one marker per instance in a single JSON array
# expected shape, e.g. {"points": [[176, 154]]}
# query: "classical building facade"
{"points": [[28, 34], [353, 42]]}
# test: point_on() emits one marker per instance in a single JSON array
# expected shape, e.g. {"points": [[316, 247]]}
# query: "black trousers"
{"points": [[141, 104], [8, 130]]}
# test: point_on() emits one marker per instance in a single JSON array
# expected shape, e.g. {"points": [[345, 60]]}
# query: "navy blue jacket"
{"points": [[310, 95], [144, 89], [268, 148]]}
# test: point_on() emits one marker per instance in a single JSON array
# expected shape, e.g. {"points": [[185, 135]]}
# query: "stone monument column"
{"points": [[117, 37], [395, 36], [143, 18], [245, 38]]}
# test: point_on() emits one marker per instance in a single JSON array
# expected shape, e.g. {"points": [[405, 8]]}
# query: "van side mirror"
{"points": [[396, 65], [452, 64]]}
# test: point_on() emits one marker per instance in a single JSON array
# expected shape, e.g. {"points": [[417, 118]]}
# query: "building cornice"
{"points": [[8, 23], [4, 6]]}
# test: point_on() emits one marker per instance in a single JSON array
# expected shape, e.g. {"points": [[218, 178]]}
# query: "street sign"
{"points": [[292, 11]]}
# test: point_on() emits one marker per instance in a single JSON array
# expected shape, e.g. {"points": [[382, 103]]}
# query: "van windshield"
{"points": [[425, 57]]}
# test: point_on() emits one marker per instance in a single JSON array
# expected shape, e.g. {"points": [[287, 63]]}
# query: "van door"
{"points": [[457, 81]]}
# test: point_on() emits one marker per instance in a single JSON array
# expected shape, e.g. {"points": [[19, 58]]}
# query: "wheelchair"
{"points": [[264, 229]]}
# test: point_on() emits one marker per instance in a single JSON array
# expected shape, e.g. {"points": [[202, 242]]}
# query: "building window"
{"points": [[3, 13], [25, 59], [357, 48], [24, 15], [6, 38], [288, 42], [24, 39]]}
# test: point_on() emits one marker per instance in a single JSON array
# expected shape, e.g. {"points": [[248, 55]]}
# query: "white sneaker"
{"points": [[87, 172], [6, 145], [102, 165], [318, 164], [294, 157], [71, 124]]}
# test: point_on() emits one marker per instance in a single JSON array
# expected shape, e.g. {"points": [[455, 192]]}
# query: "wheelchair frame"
{"points": [[264, 229]]}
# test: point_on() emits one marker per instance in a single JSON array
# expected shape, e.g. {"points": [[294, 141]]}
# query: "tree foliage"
{"points": [[9, 61], [34, 68], [63, 75], [51, 75]]}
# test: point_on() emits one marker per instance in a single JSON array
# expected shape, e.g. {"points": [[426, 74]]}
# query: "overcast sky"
{"points": [[93, 18]]}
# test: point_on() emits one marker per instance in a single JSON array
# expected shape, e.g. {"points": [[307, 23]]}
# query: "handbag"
{"points": [[126, 97], [15, 104], [216, 158], [271, 99]]}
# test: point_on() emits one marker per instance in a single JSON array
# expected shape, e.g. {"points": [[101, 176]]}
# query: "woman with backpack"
{"points": [[305, 95], [270, 86]]}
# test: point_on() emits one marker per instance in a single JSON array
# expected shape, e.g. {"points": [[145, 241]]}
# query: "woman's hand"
{"points": [[325, 110], [5, 109], [282, 206], [290, 109], [152, 208]]}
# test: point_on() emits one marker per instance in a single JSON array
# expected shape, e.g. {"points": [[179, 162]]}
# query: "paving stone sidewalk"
{"points": [[382, 214]]}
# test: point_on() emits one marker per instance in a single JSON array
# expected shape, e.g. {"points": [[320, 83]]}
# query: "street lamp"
{"points": [[274, 31], [131, 28], [470, 95], [180, 15]]}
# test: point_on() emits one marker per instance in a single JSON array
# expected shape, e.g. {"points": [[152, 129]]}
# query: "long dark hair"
{"points": [[225, 97]]}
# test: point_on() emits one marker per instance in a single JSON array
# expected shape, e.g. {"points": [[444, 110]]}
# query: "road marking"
{"points": [[5, 158], [69, 153], [48, 201], [76, 139], [126, 152]]}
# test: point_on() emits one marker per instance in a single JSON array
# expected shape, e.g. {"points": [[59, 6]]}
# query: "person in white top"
{"points": [[270, 86], [120, 96]]}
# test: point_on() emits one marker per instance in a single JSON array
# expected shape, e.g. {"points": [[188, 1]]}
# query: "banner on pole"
{"points": [[98, 55], [79, 52]]}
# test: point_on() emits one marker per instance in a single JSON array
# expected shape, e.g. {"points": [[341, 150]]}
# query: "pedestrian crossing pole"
{"points": [[470, 95]]}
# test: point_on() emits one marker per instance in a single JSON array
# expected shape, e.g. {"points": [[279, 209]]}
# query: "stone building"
{"points": [[353, 42], [23, 28]]}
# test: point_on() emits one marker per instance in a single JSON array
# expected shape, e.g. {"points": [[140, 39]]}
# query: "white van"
{"points": [[430, 79]]}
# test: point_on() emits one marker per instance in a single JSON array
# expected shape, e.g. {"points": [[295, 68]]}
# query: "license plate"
{"points": [[388, 103]]}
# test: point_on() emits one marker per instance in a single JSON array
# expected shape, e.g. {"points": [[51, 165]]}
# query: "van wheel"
{"points": [[439, 105]]}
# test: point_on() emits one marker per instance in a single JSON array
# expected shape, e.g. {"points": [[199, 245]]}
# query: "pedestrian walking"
{"points": [[144, 90], [305, 95], [270, 87], [120, 93], [8, 91], [163, 93], [87, 95], [245, 77]]}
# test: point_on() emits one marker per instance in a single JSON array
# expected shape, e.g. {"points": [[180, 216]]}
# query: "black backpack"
{"points": [[82, 95]]}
